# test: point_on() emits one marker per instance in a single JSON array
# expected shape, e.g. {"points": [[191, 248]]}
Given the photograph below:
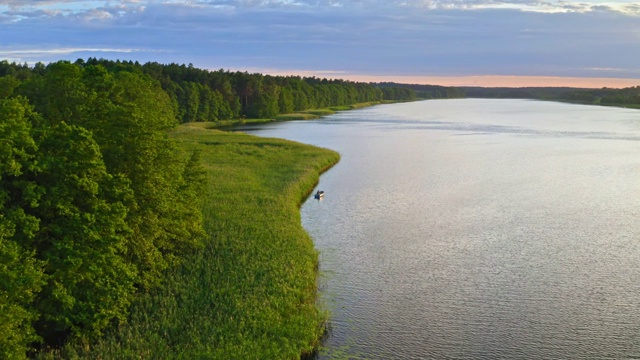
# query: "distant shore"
{"points": [[309, 114]]}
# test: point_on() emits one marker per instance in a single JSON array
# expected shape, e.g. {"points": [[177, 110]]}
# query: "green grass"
{"points": [[355, 106], [229, 123], [300, 115], [296, 116], [316, 113], [319, 112], [251, 292]]}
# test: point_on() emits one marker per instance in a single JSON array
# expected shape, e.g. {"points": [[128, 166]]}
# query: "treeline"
{"points": [[540, 93], [96, 201], [629, 97], [203, 95], [424, 91]]}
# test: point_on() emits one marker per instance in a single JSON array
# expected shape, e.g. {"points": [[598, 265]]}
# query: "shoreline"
{"points": [[251, 291], [306, 183], [309, 114]]}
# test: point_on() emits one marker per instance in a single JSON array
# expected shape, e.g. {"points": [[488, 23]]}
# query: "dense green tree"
{"points": [[286, 101], [82, 236], [62, 215], [135, 143], [300, 101], [64, 96], [189, 101], [231, 106], [21, 275], [21, 278], [96, 199], [264, 103], [225, 110], [7, 85], [207, 109]]}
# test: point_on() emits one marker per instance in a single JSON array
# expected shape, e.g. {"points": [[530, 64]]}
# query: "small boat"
{"points": [[319, 194]]}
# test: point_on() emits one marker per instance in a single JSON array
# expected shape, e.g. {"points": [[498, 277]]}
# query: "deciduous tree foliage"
{"points": [[21, 275], [202, 95], [96, 201], [82, 236]]}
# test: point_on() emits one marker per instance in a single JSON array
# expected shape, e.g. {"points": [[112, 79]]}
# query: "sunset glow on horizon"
{"points": [[465, 81], [503, 81]]}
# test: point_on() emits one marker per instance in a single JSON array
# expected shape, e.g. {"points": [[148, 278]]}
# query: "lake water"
{"points": [[478, 229]]}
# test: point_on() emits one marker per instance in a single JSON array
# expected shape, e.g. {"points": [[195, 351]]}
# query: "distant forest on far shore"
{"points": [[627, 97]]}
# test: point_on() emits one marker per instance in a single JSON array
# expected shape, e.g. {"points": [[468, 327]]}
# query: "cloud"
{"points": [[614, 70], [32, 55], [15, 11], [369, 37], [60, 51], [548, 6]]}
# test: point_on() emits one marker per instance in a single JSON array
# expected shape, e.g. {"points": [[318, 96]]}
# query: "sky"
{"points": [[589, 43]]}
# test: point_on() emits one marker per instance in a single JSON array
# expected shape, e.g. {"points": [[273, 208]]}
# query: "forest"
{"points": [[203, 95], [426, 92], [96, 199], [626, 97]]}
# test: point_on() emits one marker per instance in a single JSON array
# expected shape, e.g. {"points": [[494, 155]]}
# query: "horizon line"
{"points": [[509, 81]]}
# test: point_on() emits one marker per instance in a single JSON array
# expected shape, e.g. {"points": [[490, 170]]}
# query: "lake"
{"points": [[473, 228]]}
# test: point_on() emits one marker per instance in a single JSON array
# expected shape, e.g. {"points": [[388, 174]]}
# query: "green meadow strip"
{"points": [[300, 115], [296, 116], [250, 293]]}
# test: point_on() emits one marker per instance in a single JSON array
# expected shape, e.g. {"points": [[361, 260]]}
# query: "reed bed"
{"points": [[250, 293], [296, 116], [300, 115]]}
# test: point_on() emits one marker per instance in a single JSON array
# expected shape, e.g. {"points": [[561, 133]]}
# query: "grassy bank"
{"points": [[317, 113], [250, 293], [300, 115]]}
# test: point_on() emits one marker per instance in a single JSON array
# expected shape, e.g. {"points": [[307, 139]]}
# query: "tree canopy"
{"points": [[96, 201], [203, 95]]}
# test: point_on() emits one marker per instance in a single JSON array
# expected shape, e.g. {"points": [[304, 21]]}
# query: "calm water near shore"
{"points": [[484, 229]]}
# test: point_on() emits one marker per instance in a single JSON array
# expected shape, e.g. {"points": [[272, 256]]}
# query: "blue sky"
{"points": [[422, 40]]}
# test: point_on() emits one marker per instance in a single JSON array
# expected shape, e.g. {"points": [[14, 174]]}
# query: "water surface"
{"points": [[458, 229]]}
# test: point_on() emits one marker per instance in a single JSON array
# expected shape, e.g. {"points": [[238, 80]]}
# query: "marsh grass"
{"points": [[318, 112], [354, 106], [296, 116], [250, 293], [300, 115]]}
